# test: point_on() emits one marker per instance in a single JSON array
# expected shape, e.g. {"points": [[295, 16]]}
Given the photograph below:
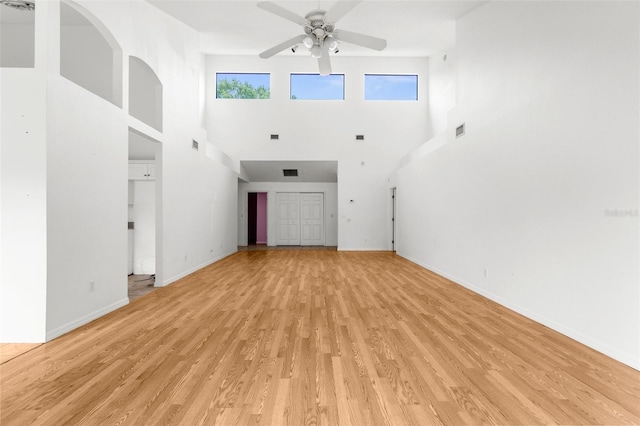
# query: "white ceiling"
{"points": [[238, 27], [308, 171], [411, 28]]}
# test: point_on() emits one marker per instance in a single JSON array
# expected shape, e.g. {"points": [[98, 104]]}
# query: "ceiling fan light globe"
{"points": [[316, 51], [308, 42], [332, 44]]}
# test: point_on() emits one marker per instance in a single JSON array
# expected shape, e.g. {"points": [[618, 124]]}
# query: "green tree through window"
{"points": [[236, 89]]}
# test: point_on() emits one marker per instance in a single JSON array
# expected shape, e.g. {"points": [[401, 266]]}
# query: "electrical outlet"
{"points": [[185, 257], [92, 286], [486, 273]]}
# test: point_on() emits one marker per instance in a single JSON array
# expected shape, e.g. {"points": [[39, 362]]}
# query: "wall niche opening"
{"points": [[145, 93], [89, 54], [17, 37]]}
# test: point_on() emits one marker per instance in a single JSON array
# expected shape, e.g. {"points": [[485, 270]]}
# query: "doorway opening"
{"points": [[144, 209], [257, 218]]}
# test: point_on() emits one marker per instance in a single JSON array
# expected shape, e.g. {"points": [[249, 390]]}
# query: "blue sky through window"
{"points": [[390, 87], [317, 87]]}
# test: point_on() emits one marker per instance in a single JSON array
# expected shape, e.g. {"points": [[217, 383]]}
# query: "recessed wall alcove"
{"points": [[89, 54], [17, 37], [145, 93]]}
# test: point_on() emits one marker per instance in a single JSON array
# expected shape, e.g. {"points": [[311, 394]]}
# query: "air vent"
{"points": [[359, 137], [194, 144], [460, 130], [290, 172], [275, 137]]}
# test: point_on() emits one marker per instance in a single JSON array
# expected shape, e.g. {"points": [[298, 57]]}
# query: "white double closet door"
{"points": [[300, 219]]}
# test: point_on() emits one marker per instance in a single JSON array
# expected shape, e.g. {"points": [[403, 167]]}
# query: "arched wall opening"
{"points": [[145, 93], [89, 54]]}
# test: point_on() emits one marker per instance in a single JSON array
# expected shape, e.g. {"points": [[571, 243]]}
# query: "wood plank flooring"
{"points": [[314, 338], [12, 350]]}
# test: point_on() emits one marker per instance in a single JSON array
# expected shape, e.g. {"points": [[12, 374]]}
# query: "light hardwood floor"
{"points": [[315, 337]]}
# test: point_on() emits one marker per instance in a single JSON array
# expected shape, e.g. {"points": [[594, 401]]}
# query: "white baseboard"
{"points": [[632, 360], [65, 328], [363, 249], [196, 268]]}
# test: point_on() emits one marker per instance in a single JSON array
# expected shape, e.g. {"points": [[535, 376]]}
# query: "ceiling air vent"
{"points": [[460, 130], [359, 137], [275, 137], [290, 172], [194, 144]]}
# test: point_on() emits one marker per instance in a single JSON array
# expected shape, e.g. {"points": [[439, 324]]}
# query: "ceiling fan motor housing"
{"points": [[317, 28]]}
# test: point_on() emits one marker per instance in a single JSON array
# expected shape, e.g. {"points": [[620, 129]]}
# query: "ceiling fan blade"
{"points": [[363, 40], [280, 47], [282, 12], [324, 62], [338, 10]]}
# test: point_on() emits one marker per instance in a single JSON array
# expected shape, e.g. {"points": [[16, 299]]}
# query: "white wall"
{"points": [[549, 92], [22, 206], [330, 191], [144, 232], [17, 44], [199, 194], [442, 89], [203, 217], [23, 186], [87, 149], [87, 58], [145, 93], [80, 144], [325, 130]]}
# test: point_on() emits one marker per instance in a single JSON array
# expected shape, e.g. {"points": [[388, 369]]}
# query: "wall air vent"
{"points": [[460, 130], [290, 172], [194, 144], [359, 137], [275, 137]]}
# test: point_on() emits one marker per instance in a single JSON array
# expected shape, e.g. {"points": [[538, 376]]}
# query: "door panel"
{"points": [[312, 223], [294, 219], [316, 234], [288, 219], [300, 219], [283, 219], [305, 210]]}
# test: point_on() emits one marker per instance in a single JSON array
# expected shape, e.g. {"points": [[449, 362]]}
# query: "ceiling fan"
{"points": [[320, 35]]}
